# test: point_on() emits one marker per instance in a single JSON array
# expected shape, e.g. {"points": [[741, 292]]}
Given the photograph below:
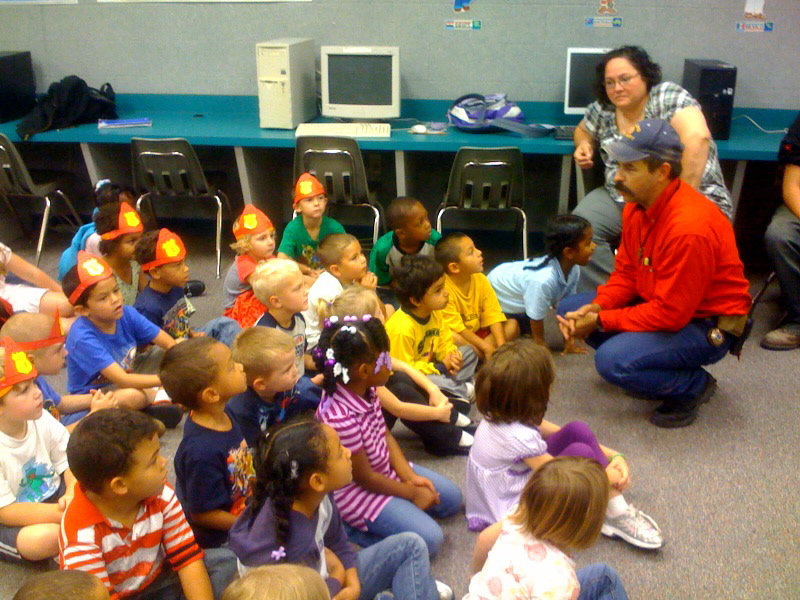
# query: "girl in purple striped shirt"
{"points": [[388, 494]]}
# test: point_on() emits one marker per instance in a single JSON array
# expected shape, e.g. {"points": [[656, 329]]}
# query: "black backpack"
{"points": [[68, 102]]}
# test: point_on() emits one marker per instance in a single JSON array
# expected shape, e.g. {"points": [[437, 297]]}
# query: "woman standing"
{"points": [[629, 89]]}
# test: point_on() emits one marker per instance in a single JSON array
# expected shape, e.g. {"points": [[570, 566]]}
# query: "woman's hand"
{"points": [[583, 154]]}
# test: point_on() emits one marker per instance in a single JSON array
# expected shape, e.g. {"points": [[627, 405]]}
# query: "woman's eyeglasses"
{"points": [[624, 80]]}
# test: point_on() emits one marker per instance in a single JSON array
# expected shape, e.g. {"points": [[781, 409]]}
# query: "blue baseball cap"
{"points": [[651, 138]]}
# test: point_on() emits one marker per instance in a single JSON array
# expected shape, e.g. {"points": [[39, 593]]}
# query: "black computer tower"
{"points": [[17, 87], [712, 83]]}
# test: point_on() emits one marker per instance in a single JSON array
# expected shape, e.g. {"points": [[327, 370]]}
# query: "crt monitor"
{"points": [[360, 82], [579, 84]]}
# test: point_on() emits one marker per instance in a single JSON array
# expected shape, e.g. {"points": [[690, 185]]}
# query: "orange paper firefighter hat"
{"points": [[91, 269], [128, 222], [252, 221], [307, 186], [17, 367], [169, 249]]}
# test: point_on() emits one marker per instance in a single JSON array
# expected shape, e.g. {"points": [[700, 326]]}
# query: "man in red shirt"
{"points": [[677, 298]]}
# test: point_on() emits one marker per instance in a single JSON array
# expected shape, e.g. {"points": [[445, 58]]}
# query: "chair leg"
{"points": [[439, 219], [376, 225], [75, 215], [219, 233], [43, 229]]}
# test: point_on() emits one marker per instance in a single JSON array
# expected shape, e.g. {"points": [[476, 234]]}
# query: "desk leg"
{"points": [[244, 175], [563, 190], [91, 166], [738, 180], [400, 171]]}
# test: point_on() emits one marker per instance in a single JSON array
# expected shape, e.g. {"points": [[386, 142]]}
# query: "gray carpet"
{"points": [[724, 491]]}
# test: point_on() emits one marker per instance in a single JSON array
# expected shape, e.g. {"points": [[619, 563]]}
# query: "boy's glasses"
{"points": [[624, 80]]}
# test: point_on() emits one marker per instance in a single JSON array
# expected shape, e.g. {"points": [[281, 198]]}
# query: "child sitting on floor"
{"points": [[526, 554], [275, 392], [42, 338], [388, 495], [62, 585], [344, 263], [213, 467], [163, 302], [255, 242], [309, 227], [512, 393], [282, 581], [292, 518], [418, 332], [103, 342], [473, 313], [39, 293], [35, 481], [528, 289], [120, 227], [124, 524]]}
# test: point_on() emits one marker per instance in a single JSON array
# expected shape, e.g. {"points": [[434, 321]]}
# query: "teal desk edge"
{"points": [[233, 121]]}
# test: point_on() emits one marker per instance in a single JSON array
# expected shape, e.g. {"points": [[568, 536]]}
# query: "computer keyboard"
{"points": [[564, 132], [350, 130]]}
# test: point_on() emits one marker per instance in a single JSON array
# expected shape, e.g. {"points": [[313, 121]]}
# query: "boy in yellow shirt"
{"points": [[473, 312]]}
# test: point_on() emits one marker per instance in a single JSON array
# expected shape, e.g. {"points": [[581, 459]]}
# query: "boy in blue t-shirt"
{"points": [[41, 337], [274, 392], [213, 466], [103, 342], [162, 255]]}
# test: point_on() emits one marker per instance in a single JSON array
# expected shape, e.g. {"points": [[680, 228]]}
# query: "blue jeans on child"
{"points": [[662, 364], [402, 515], [222, 329], [399, 563], [456, 384], [220, 564], [600, 582]]}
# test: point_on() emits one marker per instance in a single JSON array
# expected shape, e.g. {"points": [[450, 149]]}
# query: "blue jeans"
{"points": [[222, 329], [666, 365], [600, 582], [402, 515], [220, 564], [456, 384], [398, 563]]}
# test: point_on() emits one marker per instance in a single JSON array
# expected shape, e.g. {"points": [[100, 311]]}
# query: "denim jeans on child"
{"points": [[600, 582], [662, 364], [399, 563], [222, 329], [402, 515], [220, 564], [456, 384]]}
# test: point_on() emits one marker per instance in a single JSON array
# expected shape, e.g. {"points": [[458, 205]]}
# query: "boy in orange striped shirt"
{"points": [[125, 524]]}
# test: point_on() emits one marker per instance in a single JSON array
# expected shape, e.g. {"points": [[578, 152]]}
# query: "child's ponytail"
{"points": [[563, 231]]}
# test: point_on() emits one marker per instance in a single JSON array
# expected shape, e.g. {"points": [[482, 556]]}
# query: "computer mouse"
{"points": [[418, 128]]}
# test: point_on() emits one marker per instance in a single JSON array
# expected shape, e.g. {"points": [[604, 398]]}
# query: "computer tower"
{"points": [[712, 83], [287, 84], [17, 87]]}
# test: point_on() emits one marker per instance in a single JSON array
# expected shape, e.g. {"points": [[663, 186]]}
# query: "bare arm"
{"points": [[691, 126], [31, 273], [584, 146], [218, 519], [791, 189], [435, 395], [498, 333], [370, 480], [122, 379], [21, 514], [195, 582], [164, 340], [483, 544], [537, 331], [410, 410], [483, 347]]}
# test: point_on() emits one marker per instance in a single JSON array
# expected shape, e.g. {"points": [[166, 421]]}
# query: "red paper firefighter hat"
{"points": [[17, 366], [169, 249], [56, 336], [128, 222], [252, 221], [91, 269], [307, 186]]}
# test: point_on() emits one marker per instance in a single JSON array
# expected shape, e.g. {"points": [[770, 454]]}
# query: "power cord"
{"points": [[785, 130]]}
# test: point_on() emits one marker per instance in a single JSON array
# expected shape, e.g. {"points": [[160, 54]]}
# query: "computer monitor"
{"points": [[360, 82], [579, 84]]}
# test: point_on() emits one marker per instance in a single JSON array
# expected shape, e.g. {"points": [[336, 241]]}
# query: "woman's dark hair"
{"points": [[563, 231], [107, 219], [283, 459], [353, 340], [639, 58], [413, 276]]}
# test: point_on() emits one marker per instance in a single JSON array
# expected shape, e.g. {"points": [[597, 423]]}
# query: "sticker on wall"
{"points": [[461, 5], [754, 10], [462, 25], [615, 22], [606, 8]]}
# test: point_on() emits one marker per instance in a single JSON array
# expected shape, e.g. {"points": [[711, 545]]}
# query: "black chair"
{"points": [[17, 182], [169, 168], [337, 164], [487, 179]]}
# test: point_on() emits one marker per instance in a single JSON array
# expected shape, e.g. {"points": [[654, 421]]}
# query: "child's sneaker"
{"points": [[470, 391], [445, 592], [635, 527]]}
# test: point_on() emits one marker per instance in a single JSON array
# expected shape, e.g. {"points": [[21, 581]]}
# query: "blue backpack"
{"points": [[475, 113]]}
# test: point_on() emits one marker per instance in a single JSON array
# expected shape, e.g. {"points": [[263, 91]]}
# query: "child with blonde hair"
{"points": [[255, 242], [512, 392], [278, 582], [525, 555]]}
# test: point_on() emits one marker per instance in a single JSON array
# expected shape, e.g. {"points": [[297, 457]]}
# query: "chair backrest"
{"points": [[15, 180], [167, 167], [338, 165], [486, 178]]}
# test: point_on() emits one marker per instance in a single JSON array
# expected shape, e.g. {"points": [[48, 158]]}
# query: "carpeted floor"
{"points": [[724, 491]]}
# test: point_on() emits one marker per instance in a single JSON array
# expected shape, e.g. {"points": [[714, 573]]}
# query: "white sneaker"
{"points": [[445, 591], [462, 420], [466, 440], [635, 527], [470, 391]]}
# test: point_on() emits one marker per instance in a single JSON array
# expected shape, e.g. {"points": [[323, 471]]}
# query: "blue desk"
{"points": [[232, 121]]}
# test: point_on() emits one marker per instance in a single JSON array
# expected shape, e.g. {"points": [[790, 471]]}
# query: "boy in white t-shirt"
{"points": [[35, 481]]}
